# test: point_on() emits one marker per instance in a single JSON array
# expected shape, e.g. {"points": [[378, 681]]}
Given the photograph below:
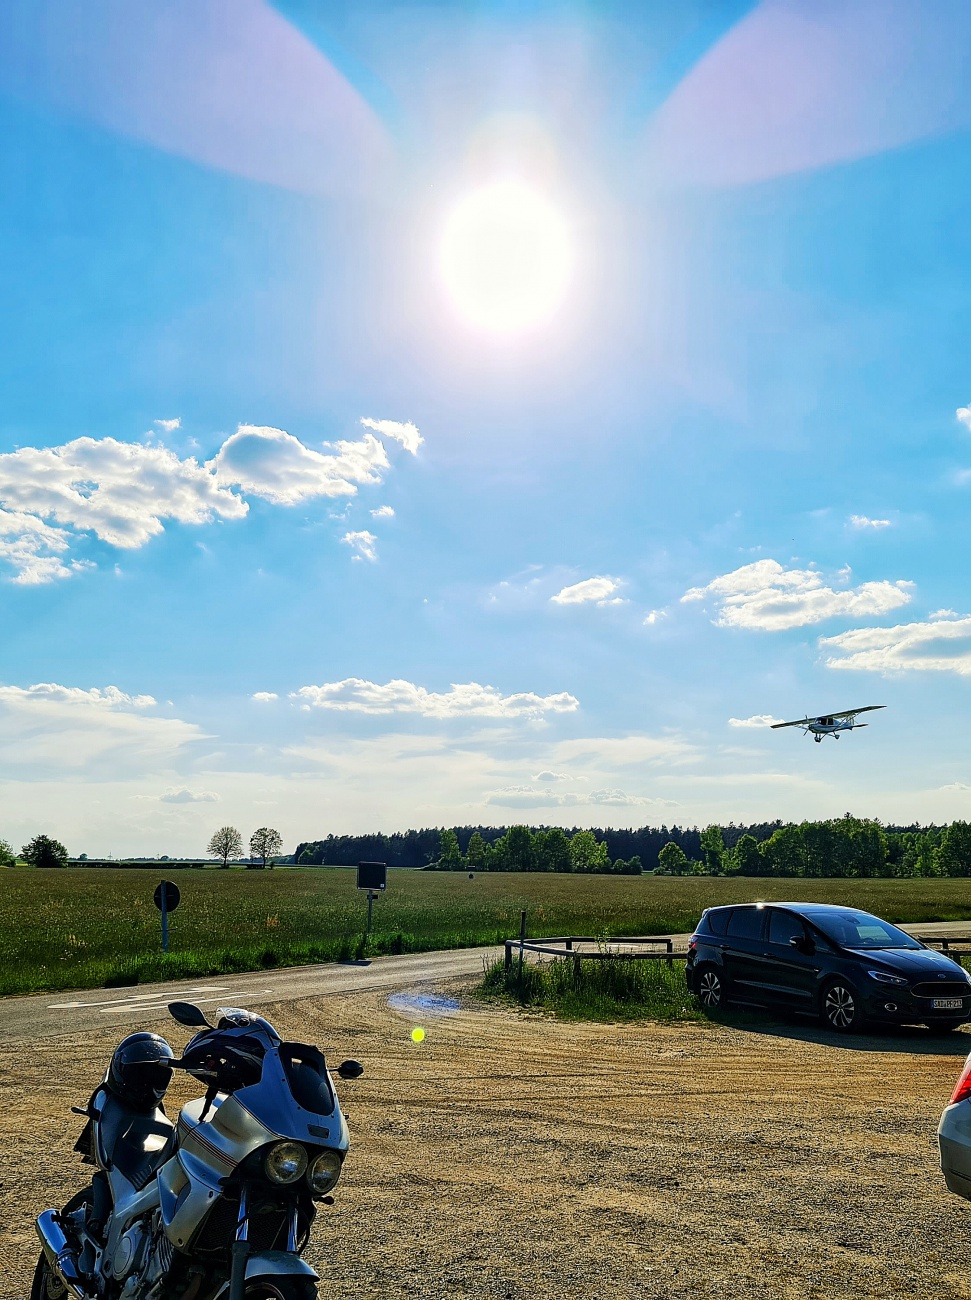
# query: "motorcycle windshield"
{"points": [[294, 1091]]}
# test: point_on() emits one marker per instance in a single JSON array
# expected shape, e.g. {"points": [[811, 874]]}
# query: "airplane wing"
{"points": [[801, 722], [851, 713]]}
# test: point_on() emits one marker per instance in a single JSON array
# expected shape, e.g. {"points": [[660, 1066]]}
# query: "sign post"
{"points": [[166, 899], [372, 876]]}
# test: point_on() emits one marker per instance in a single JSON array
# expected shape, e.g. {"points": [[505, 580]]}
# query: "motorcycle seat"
{"points": [[135, 1144]]}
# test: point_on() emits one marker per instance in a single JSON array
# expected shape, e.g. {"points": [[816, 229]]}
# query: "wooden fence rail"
{"points": [[563, 946]]}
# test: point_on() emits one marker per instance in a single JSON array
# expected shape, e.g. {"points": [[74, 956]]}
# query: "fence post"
{"points": [[508, 954], [522, 939], [670, 944]]}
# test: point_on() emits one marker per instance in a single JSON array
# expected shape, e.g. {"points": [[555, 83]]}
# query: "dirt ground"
{"points": [[513, 1156]]}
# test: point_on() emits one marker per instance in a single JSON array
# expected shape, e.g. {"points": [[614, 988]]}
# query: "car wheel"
{"points": [[841, 1007], [710, 987]]}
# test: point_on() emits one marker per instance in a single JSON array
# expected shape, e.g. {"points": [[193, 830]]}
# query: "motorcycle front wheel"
{"points": [[47, 1285]]}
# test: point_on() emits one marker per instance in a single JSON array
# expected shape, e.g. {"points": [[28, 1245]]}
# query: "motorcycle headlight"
{"points": [[285, 1163], [882, 977], [324, 1173]]}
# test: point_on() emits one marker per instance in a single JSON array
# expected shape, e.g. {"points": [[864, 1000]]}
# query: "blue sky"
{"points": [[296, 530]]}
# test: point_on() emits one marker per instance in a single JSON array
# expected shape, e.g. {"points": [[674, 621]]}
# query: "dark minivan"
{"points": [[836, 962]]}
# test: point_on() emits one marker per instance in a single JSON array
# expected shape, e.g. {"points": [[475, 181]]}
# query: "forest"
{"points": [[845, 847]]}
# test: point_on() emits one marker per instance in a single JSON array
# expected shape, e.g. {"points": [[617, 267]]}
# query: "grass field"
{"points": [[84, 928]]}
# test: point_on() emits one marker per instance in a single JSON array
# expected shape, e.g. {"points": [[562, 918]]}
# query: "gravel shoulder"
{"points": [[515, 1156]]}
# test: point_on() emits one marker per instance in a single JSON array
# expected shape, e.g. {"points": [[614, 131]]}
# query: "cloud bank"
{"points": [[756, 720], [470, 700], [942, 646], [124, 493], [766, 597]]}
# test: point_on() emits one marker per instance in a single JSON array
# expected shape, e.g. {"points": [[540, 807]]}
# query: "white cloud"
{"points": [[168, 426], [363, 542], [551, 776], [120, 491], [383, 512], [53, 728], [756, 720], [469, 700], [526, 796], [943, 613], [598, 589], [769, 598], [655, 616], [278, 467], [861, 521], [182, 795], [963, 414], [943, 647], [264, 697], [407, 434], [125, 492]]}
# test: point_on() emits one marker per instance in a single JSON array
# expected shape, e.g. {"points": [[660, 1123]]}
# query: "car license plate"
{"points": [[947, 1004]]}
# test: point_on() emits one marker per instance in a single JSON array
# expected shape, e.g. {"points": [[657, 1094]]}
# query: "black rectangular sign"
{"points": [[372, 875]]}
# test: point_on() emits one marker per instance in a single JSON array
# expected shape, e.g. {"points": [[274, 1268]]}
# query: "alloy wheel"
{"points": [[840, 1007], [710, 989]]}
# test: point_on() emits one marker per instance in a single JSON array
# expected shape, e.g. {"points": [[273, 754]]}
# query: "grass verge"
{"points": [[595, 989]]}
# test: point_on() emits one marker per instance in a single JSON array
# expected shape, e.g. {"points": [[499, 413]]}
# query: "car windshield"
{"points": [[860, 930]]}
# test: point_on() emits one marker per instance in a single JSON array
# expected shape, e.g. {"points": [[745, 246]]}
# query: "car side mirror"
{"points": [[350, 1069], [802, 944]]}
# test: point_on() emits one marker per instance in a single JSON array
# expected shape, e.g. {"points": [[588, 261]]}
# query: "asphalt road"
{"points": [[46, 1015]]}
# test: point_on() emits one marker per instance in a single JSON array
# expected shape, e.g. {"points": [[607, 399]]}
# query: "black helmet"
{"points": [[140, 1072]]}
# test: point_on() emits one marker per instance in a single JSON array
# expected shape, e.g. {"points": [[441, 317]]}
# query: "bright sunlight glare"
{"points": [[505, 257]]}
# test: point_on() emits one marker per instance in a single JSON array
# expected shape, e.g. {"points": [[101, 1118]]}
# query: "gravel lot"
{"points": [[514, 1156]]}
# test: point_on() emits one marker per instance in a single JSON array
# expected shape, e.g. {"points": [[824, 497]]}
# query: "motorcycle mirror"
{"points": [[187, 1014], [350, 1069]]}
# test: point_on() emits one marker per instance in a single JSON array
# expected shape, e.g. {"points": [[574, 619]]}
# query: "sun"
{"points": [[505, 258]]}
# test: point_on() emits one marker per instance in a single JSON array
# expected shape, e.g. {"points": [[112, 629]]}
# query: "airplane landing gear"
{"points": [[818, 739]]}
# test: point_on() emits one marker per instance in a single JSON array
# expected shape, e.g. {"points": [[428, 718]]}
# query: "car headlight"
{"points": [[324, 1173], [285, 1163], [882, 977]]}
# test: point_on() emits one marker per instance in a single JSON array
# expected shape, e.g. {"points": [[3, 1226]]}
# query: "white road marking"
{"points": [[139, 997], [164, 1006]]}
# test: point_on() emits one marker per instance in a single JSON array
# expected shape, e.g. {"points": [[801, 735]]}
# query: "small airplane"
{"points": [[830, 724]]}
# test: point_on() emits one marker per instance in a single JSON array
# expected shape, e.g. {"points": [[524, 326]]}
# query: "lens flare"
{"points": [[506, 259], [418, 1034]]}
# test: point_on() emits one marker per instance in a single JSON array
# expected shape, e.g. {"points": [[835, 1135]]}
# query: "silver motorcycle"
{"points": [[218, 1206]]}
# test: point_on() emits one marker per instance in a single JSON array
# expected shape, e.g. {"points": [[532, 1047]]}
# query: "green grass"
{"points": [[606, 990], [83, 928]]}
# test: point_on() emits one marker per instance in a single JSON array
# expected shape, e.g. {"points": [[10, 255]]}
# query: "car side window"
{"points": [[746, 923], [716, 921], [783, 926]]}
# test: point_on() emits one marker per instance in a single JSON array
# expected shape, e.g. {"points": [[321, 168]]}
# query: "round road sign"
{"points": [[172, 895]]}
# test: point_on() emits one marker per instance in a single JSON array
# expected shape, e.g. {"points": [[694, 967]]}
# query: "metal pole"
{"points": [[165, 919], [370, 905], [522, 940]]}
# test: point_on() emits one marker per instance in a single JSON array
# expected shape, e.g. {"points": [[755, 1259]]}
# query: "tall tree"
{"points": [[587, 853], [264, 844], [450, 855], [672, 860], [954, 851], [475, 856], [42, 851], [7, 856], [552, 850], [712, 850], [226, 843]]}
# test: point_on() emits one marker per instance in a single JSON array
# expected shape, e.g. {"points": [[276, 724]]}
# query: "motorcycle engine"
{"points": [[127, 1251]]}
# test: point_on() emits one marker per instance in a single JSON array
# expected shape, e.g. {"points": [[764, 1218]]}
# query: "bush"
{"points": [[598, 988]]}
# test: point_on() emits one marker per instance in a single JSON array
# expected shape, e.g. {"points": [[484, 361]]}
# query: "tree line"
{"points": [[849, 847], [421, 848]]}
